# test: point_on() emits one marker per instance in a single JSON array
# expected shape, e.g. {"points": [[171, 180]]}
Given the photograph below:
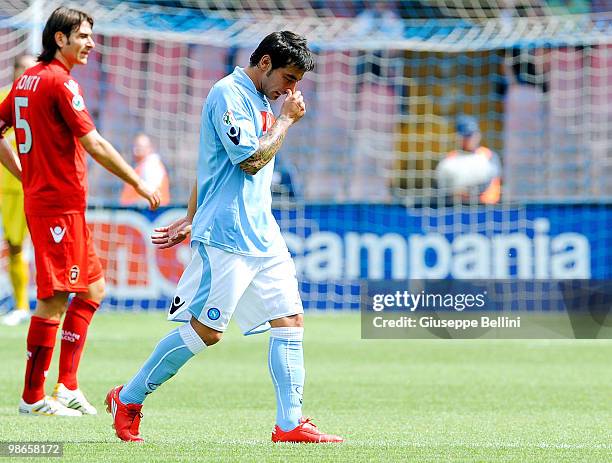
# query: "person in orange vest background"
{"points": [[470, 174], [151, 168]]}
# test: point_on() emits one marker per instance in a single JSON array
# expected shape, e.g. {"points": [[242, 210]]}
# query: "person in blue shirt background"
{"points": [[240, 265]]}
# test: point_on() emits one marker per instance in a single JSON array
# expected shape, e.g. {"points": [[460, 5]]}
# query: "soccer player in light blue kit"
{"points": [[240, 264]]}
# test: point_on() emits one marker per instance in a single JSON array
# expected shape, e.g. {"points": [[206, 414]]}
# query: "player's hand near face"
{"points": [[173, 234], [152, 196], [293, 106]]}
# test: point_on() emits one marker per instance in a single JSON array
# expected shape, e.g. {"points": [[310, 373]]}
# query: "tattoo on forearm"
{"points": [[269, 145]]}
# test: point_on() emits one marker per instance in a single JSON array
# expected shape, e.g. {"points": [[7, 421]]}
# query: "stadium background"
{"points": [[357, 198], [363, 204]]}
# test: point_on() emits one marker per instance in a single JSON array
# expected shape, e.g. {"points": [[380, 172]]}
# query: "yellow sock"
{"points": [[20, 276]]}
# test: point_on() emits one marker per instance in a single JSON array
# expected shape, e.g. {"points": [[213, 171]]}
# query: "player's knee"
{"points": [[50, 313], [297, 320], [53, 307], [212, 338], [208, 335], [100, 295], [294, 321], [96, 291]]}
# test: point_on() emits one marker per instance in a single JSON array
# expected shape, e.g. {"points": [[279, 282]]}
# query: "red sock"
{"points": [[74, 332], [40, 343]]}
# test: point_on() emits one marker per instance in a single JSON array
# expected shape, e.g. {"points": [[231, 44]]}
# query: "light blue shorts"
{"points": [[217, 285]]}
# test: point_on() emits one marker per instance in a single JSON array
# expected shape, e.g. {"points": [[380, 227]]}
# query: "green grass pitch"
{"points": [[426, 400]]}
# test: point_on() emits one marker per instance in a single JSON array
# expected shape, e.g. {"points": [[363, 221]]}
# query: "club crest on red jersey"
{"points": [[73, 274]]}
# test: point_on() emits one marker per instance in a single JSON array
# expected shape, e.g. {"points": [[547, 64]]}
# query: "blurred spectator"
{"points": [[380, 22], [151, 168], [471, 173], [379, 18]]}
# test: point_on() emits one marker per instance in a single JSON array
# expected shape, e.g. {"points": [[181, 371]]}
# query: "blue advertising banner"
{"points": [[392, 242], [336, 247]]}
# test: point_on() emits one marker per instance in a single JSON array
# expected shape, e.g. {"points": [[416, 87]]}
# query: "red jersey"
{"points": [[47, 110]]}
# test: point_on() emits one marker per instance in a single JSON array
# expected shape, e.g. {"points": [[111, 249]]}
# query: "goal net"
{"points": [[357, 190]]}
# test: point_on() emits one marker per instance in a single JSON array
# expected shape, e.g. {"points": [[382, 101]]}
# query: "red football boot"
{"points": [[126, 417], [306, 432]]}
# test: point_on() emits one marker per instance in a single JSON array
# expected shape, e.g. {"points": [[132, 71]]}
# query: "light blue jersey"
{"points": [[235, 208]]}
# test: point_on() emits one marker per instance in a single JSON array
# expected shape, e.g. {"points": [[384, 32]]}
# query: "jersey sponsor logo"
{"points": [[176, 304], [213, 313], [73, 274], [77, 100], [234, 135], [228, 118], [57, 233], [267, 120]]}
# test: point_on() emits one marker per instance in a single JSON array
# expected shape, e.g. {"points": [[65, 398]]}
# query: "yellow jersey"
{"points": [[8, 183]]}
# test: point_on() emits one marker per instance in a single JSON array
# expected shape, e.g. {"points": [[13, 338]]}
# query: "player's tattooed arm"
{"points": [[269, 144], [292, 111]]}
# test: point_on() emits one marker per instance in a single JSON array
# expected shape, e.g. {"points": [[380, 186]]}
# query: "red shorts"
{"points": [[64, 254]]}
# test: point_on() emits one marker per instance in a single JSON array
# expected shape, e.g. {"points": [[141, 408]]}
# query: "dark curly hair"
{"points": [[285, 48]]}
